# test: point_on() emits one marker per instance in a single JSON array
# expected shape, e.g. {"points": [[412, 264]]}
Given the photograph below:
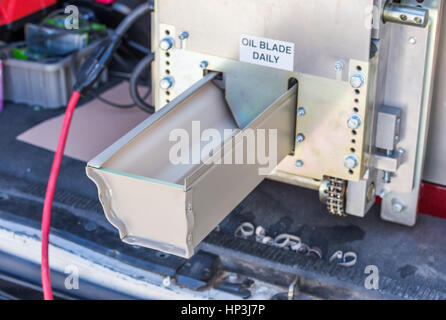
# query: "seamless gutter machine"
{"points": [[356, 127]]}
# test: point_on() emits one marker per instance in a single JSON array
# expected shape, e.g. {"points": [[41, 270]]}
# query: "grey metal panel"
{"points": [[435, 170], [410, 86], [405, 89], [323, 31]]}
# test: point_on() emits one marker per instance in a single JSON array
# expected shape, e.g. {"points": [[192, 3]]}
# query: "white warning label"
{"points": [[267, 52]]}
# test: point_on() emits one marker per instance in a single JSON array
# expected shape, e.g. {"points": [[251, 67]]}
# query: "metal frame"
{"points": [[393, 77], [410, 86]]}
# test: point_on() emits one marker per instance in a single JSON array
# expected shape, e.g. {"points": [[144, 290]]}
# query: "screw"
{"points": [[204, 64], [299, 164], [167, 83], [387, 177], [184, 35], [301, 112], [412, 40], [339, 65], [357, 81], [300, 138], [354, 122], [418, 20], [401, 152], [351, 161], [167, 43]]}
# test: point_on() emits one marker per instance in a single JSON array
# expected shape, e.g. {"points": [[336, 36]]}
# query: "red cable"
{"points": [[46, 215]]}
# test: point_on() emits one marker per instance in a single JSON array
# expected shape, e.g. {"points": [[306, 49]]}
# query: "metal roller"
{"points": [[407, 15]]}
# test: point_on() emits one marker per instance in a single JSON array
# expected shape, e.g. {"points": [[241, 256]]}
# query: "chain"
{"points": [[337, 190]]}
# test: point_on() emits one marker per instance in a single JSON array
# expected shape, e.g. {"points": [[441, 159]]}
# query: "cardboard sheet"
{"points": [[95, 126]]}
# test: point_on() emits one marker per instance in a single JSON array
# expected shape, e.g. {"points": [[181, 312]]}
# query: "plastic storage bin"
{"points": [[48, 85]]}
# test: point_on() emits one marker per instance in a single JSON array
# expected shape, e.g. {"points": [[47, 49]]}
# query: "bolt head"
{"points": [[397, 206], [204, 64], [184, 35], [299, 164], [401, 151], [419, 20], [300, 138], [351, 161], [167, 43], [301, 112], [357, 81], [167, 83], [339, 65], [412, 40], [354, 122], [383, 193]]}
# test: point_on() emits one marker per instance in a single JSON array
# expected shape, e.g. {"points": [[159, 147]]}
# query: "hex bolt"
{"points": [[383, 193], [167, 83], [357, 81], [351, 161], [300, 138], [397, 206], [339, 65], [354, 122], [299, 164], [204, 64], [301, 112], [167, 43], [184, 35], [401, 152]]}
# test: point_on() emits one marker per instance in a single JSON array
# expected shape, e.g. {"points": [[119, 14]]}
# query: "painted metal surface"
{"points": [[433, 200], [13, 10]]}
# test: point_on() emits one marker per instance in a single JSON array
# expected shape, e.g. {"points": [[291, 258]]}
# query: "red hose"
{"points": [[46, 215]]}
